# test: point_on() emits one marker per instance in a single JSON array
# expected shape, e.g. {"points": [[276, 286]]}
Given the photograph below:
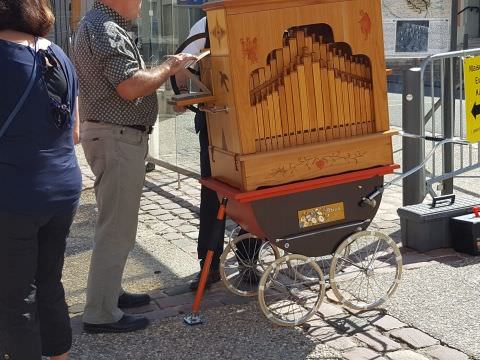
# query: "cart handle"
{"points": [[370, 199]]}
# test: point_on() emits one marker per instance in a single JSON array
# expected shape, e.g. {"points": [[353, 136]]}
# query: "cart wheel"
{"points": [[290, 297], [366, 270], [244, 261]]}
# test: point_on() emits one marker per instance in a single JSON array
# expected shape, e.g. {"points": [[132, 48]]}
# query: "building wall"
{"points": [[469, 21]]}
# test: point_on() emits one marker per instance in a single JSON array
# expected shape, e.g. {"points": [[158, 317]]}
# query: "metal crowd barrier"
{"points": [[434, 106]]}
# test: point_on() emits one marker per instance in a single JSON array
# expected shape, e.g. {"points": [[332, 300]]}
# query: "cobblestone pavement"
{"points": [[165, 259]]}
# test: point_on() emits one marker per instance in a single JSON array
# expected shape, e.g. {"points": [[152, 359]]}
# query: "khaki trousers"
{"points": [[116, 155]]}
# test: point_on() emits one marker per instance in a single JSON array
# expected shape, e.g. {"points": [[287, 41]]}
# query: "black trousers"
{"points": [[208, 201], [34, 318], [209, 204]]}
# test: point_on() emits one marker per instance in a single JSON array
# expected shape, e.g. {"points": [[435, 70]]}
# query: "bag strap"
{"points": [[24, 97]]}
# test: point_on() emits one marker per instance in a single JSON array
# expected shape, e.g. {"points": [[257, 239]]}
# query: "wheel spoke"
{"points": [[371, 254]]}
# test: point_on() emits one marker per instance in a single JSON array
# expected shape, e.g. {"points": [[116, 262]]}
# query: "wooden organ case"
{"points": [[300, 90]]}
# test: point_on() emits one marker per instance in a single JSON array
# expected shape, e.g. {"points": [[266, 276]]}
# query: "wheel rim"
{"points": [[366, 270], [243, 263], [286, 298]]}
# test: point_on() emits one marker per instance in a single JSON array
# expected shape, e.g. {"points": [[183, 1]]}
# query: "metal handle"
{"points": [[214, 109], [438, 199]]}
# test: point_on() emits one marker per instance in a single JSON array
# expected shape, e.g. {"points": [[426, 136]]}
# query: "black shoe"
{"points": [[127, 300], [149, 167], [127, 323], [213, 277]]}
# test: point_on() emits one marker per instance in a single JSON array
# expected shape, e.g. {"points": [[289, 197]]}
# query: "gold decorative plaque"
{"points": [[321, 215]]}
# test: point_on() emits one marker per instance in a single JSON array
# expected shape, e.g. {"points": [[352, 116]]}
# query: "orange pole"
{"points": [[208, 261], [203, 281]]}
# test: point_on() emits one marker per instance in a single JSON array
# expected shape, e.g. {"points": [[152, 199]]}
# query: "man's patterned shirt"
{"points": [[104, 56]]}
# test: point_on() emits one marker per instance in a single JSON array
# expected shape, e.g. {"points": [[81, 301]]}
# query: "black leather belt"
{"points": [[141, 128]]}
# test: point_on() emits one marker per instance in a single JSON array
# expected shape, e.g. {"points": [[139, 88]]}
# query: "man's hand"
{"points": [[146, 82], [179, 62]]}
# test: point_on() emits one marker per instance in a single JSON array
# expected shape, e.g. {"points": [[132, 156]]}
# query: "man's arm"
{"points": [[145, 82]]}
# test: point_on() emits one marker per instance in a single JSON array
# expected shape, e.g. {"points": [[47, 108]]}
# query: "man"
{"points": [[118, 107], [209, 202]]}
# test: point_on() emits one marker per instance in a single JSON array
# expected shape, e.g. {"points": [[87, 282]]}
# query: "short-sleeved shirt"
{"points": [[39, 173], [105, 56]]}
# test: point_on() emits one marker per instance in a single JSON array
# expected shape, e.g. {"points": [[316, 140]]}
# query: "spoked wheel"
{"points": [[291, 290], [366, 270], [243, 263]]}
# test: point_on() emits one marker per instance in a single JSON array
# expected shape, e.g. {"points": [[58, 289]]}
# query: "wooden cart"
{"points": [[296, 102]]}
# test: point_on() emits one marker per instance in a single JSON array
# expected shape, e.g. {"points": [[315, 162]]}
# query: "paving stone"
{"points": [[180, 211], [414, 337], [362, 353], [331, 296], [328, 310], [158, 212], [341, 343], [149, 193], [145, 217], [187, 245], [150, 207], [192, 235], [370, 314], [324, 333], [172, 301], [178, 290], [388, 323], [441, 253], [76, 309], [161, 314], [389, 216], [158, 227], [166, 217], [413, 260], [445, 353], [157, 294], [378, 341], [228, 298], [211, 304], [187, 228], [348, 324], [170, 206], [194, 222], [175, 223], [187, 216], [172, 236], [448, 259], [405, 355]]}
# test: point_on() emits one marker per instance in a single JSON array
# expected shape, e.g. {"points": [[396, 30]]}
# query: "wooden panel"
{"points": [[225, 167], [305, 162], [218, 31], [256, 32], [222, 126]]}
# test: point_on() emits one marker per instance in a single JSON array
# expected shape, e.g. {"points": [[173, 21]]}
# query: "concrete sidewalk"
{"points": [[434, 314]]}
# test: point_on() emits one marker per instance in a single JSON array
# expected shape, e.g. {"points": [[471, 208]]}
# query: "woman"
{"points": [[40, 182]]}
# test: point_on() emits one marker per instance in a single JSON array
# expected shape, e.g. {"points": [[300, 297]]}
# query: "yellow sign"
{"points": [[321, 215], [472, 98]]}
